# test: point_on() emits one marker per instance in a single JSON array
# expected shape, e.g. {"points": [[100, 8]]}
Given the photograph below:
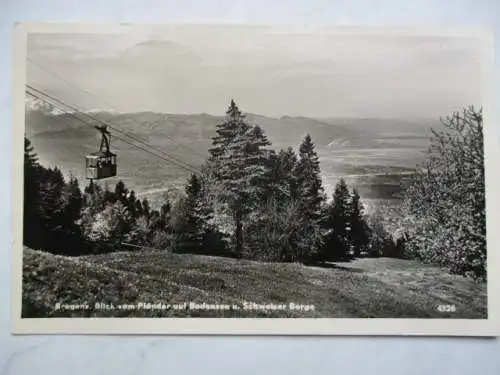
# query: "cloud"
{"points": [[270, 72]]}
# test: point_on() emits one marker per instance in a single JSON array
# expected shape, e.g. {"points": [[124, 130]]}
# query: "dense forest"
{"points": [[253, 202]]}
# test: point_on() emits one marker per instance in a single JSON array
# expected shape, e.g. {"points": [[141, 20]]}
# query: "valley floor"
{"points": [[363, 288]]}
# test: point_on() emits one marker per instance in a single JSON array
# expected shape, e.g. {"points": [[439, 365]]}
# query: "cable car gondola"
{"points": [[101, 164]]}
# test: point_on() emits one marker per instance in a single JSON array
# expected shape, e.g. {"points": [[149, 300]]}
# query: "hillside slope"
{"points": [[382, 288]]}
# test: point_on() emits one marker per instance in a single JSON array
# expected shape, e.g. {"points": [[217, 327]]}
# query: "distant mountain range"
{"points": [[360, 149]]}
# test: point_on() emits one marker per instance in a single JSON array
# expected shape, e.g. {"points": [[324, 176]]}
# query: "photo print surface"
{"points": [[276, 175]]}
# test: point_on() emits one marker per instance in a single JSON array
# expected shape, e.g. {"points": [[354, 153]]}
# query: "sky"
{"points": [[267, 71]]}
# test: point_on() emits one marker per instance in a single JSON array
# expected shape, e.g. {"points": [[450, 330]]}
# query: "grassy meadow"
{"points": [[363, 288]]}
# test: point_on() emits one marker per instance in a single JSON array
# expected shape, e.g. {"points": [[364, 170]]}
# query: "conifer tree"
{"points": [[337, 241], [31, 218], [310, 197], [309, 184], [242, 168], [52, 207]]}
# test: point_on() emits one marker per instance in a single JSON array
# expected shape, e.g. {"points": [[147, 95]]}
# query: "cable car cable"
{"points": [[192, 170], [125, 141], [107, 104], [107, 124], [180, 161]]}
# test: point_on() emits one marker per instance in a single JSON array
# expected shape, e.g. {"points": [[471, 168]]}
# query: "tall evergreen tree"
{"points": [[241, 164], [32, 232], [309, 184], [337, 241], [310, 197]]}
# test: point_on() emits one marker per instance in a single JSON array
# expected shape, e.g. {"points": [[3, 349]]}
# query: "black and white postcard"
{"points": [[245, 179]]}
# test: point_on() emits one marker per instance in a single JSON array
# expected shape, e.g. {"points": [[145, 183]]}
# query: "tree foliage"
{"points": [[381, 242], [276, 235], [249, 201], [192, 228], [240, 165], [52, 207], [284, 177], [359, 235], [309, 185], [32, 234], [337, 236], [445, 201]]}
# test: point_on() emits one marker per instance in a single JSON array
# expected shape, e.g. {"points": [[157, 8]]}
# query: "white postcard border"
{"points": [[249, 326]]}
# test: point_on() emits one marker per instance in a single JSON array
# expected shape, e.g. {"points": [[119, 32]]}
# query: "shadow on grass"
{"points": [[336, 266]]}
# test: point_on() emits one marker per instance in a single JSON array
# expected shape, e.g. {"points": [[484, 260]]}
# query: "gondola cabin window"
{"points": [[100, 165]]}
